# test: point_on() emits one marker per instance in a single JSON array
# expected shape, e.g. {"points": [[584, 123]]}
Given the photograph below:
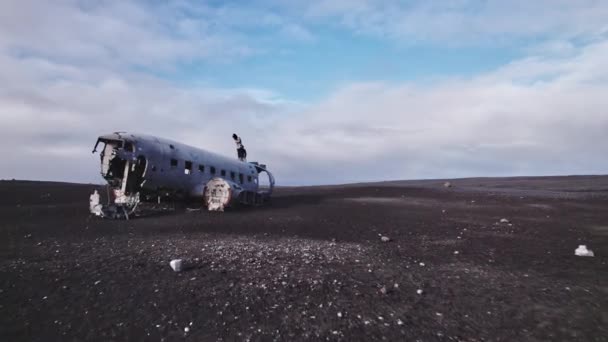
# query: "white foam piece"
{"points": [[583, 251], [176, 265]]}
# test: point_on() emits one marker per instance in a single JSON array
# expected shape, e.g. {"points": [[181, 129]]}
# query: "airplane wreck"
{"points": [[141, 168]]}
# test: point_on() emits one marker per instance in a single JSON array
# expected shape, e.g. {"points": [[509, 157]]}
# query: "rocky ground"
{"points": [[400, 261]]}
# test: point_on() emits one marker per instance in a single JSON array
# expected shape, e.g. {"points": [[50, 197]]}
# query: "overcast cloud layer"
{"points": [[73, 70]]}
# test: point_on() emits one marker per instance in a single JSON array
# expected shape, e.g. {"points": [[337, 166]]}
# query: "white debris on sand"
{"points": [[504, 220], [583, 251], [419, 291], [186, 329], [176, 265], [385, 239], [421, 264], [456, 252], [447, 185], [94, 206]]}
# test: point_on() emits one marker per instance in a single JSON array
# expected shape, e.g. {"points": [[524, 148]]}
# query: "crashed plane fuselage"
{"points": [[141, 167]]}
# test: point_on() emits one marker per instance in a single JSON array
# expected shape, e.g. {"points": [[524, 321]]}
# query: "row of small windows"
{"points": [[201, 168]]}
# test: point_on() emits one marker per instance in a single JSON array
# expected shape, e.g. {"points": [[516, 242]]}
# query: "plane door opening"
{"points": [[112, 167], [136, 174], [265, 182]]}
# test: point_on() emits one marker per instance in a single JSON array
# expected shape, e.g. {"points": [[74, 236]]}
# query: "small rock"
{"points": [[98, 282], [385, 239], [421, 264], [419, 291], [447, 185], [504, 220], [186, 329], [399, 322], [456, 252], [339, 315], [383, 290]]}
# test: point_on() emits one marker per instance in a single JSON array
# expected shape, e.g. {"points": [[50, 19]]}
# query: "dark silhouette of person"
{"points": [[240, 149]]}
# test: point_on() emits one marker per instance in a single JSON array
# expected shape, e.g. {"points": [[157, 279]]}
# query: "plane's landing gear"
{"points": [[122, 208]]}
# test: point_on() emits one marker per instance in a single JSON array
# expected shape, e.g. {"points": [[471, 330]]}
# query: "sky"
{"points": [[321, 91]]}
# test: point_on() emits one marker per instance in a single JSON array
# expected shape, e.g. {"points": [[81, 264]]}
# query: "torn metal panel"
{"points": [[218, 194]]}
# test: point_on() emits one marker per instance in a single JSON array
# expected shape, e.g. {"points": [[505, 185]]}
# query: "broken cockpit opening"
{"points": [[124, 171]]}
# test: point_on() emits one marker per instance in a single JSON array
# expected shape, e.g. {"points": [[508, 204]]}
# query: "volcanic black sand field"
{"points": [[312, 265]]}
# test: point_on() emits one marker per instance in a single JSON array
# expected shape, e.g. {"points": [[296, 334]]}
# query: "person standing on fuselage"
{"points": [[240, 149]]}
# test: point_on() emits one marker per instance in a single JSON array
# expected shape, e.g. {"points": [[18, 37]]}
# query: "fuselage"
{"points": [[149, 165]]}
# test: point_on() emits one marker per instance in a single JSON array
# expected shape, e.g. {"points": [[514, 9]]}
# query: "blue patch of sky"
{"points": [[307, 71]]}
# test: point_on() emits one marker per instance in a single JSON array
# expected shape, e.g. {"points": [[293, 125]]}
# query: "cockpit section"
{"points": [[124, 171]]}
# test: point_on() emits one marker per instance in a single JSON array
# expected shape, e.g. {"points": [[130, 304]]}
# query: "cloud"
{"points": [[534, 116], [83, 70], [464, 22], [110, 33], [499, 123], [298, 33]]}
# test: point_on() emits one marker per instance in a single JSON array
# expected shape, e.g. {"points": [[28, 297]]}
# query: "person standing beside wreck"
{"points": [[240, 149]]}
